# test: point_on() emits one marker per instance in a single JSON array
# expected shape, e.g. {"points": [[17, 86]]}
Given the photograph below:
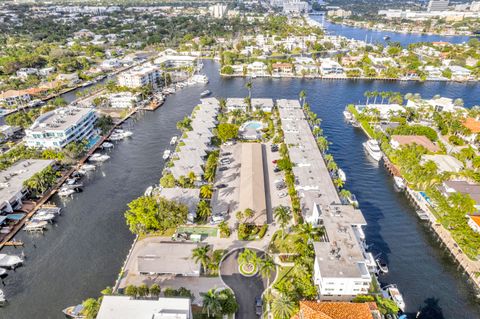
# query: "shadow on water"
{"points": [[431, 310]]}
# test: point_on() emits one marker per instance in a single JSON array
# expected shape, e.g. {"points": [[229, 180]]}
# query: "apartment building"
{"points": [[140, 76]]}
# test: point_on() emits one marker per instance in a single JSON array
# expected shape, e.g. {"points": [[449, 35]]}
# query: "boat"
{"points": [[99, 157], [74, 312], [107, 145], [148, 191], [422, 215], [386, 38], [166, 154], [373, 149], [50, 210], [10, 261], [88, 167], [341, 175], [72, 183], [43, 217], [399, 182], [382, 266], [396, 296], [127, 133], [355, 123], [173, 140], [65, 192], [199, 78], [348, 116], [205, 93], [116, 137], [3, 299], [35, 225]]}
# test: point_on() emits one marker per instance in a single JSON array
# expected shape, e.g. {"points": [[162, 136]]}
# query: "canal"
{"points": [[84, 251]]}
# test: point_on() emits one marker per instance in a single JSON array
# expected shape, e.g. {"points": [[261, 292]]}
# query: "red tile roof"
{"points": [[415, 139], [472, 124], [333, 310]]}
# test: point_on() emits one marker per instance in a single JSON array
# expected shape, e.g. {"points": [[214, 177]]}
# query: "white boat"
{"points": [[74, 312], [97, 157], [199, 78], [205, 93], [382, 266], [341, 175], [148, 191], [43, 217], [166, 154], [50, 210], [107, 145], [116, 137], [72, 183], [35, 225], [173, 140], [10, 261], [396, 296], [88, 167], [127, 133], [399, 182], [3, 299], [373, 149], [65, 192], [422, 215], [3, 271], [348, 116]]}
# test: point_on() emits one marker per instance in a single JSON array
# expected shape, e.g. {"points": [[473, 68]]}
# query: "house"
{"points": [[57, 128], [385, 111], [12, 97], [70, 78], [335, 310], [233, 104], [466, 188], [12, 190], [398, 141], [140, 76], [460, 73], [265, 105], [445, 163], [109, 64], [474, 126], [123, 99], [46, 71], [433, 72], [7, 131], [125, 307], [328, 67], [474, 222], [23, 73], [83, 33], [257, 68], [282, 69]]}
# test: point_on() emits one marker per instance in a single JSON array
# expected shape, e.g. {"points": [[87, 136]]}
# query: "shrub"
{"points": [[263, 231]]}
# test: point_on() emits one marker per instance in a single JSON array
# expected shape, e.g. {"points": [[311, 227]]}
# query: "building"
{"points": [[235, 103], [171, 59], [385, 111], [125, 307], [437, 5], [172, 258], [295, 7], [474, 222], [123, 100], [259, 104], [69, 78], [12, 190], [218, 10], [140, 76], [23, 73], [398, 141], [282, 69], [7, 131], [445, 163], [57, 128], [329, 66], [252, 183], [462, 187], [13, 97], [187, 196], [336, 310]]}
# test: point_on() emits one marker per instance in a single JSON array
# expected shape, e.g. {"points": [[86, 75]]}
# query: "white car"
{"points": [[216, 219]]}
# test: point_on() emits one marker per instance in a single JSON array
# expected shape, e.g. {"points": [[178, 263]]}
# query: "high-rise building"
{"points": [[218, 10], [437, 5]]}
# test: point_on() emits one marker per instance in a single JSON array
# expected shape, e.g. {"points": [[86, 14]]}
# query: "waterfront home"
{"points": [[460, 73], [441, 104], [261, 104], [282, 69], [109, 64], [23, 73], [7, 131], [385, 127], [171, 59], [167, 258], [385, 111], [464, 187], [445, 163], [57, 128], [123, 100], [329, 67], [68, 78], [473, 125], [125, 307], [14, 97], [474, 222], [257, 68], [336, 310], [398, 141], [12, 189], [187, 196], [433, 72], [235, 103]]}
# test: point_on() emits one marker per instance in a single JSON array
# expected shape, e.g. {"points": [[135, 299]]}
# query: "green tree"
{"points": [[283, 215], [131, 291], [267, 267], [203, 210], [206, 191], [283, 307], [154, 290], [227, 131], [90, 308], [104, 123], [211, 303], [201, 254], [167, 180], [142, 290]]}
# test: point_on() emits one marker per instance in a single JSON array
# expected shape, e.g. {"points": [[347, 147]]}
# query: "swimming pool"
{"points": [[253, 125]]}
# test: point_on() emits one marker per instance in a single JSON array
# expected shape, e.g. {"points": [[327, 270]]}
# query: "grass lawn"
{"points": [[286, 245], [210, 231], [282, 274], [167, 233]]}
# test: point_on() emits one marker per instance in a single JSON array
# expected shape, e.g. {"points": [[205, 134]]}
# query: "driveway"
{"points": [[245, 288]]}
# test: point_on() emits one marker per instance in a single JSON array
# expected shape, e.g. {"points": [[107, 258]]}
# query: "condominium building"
{"points": [[123, 100], [140, 76], [218, 10], [437, 5], [57, 128]]}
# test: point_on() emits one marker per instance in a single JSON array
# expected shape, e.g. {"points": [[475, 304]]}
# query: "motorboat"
{"points": [[3, 299], [44, 217], [50, 210], [373, 149], [3, 272], [166, 154], [396, 296], [386, 38], [341, 175], [35, 225], [116, 137], [200, 78], [382, 266], [205, 93], [173, 140], [74, 312], [422, 215], [148, 191], [72, 183], [127, 133], [399, 182], [88, 167], [10, 261], [99, 157], [65, 192], [107, 145], [348, 116]]}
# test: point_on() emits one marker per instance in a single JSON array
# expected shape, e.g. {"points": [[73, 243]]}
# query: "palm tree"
{"points": [[283, 216], [307, 229], [368, 95], [203, 210], [338, 182], [206, 191], [192, 178], [211, 302], [249, 86], [282, 307], [303, 96], [201, 254], [247, 256], [345, 193], [267, 266]]}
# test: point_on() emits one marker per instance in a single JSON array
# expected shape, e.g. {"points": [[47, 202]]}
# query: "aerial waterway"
{"points": [[84, 251]]}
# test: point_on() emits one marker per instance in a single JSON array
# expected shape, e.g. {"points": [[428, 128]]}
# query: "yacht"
{"points": [[88, 167], [72, 183], [74, 312], [399, 182], [173, 140], [35, 225], [382, 266], [348, 116], [386, 38], [43, 217], [116, 137], [205, 93], [166, 154], [341, 175], [373, 149], [127, 133], [422, 215], [99, 157], [65, 192], [200, 78], [10, 261], [50, 210], [107, 145], [396, 296]]}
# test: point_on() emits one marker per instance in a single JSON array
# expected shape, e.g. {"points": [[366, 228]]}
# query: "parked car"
{"points": [[223, 168], [216, 219], [225, 161], [280, 186], [226, 154], [258, 306], [221, 185]]}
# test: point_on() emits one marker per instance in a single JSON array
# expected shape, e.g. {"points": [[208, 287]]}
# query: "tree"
{"points": [[167, 181], [90, 308], [303, 96], [249, 86], [247, 256], [206, 191], [211, 303], [76, 149], [283, 307], [267, 267], [203, 210], [283, 216], [201, 254], [107, 291], [154, 290], [227, 131], [131, 291], [142, 290], [104, 124], [248, 213], [228, 302]]}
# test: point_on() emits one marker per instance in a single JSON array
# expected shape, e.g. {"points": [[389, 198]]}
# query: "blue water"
{"points": [[254, 125]]}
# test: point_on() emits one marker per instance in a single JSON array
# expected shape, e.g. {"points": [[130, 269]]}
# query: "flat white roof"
{"points": [[60, 119]]}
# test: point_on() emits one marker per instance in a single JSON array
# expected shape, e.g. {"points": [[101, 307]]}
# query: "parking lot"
{"points": [[225, 199]]}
